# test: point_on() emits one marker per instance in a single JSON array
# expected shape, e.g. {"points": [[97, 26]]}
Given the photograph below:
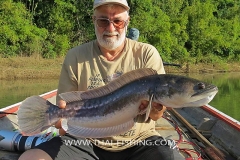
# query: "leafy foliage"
{"points": [[184, 31], [17, 31]]}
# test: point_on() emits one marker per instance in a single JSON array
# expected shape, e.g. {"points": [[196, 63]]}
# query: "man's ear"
{"points": [[128, 20]]}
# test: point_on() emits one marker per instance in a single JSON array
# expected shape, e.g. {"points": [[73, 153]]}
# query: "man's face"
{"points": [[110, 35]]}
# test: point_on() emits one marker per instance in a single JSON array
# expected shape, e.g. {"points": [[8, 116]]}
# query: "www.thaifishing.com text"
{"points": [[163, 142]]}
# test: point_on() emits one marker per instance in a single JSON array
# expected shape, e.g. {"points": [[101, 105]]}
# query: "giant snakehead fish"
{"points": [[110, 110]]}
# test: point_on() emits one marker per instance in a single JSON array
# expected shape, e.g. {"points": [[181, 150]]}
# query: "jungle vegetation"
{"points": [[206, 31]]}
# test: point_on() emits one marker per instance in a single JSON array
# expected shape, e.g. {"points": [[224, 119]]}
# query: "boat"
{"points": [[197, 132]]}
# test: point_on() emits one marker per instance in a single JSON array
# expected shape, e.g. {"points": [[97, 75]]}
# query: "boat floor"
{"points": [[9, 123], [163, 126]]}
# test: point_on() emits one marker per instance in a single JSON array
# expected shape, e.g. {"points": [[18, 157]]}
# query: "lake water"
{"points": [[13, 91], [227, 100]]}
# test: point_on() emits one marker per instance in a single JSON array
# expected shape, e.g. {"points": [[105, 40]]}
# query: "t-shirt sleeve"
{"points": [[153, 60], [68, 76]]}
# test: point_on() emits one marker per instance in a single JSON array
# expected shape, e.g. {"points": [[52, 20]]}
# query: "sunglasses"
{"points": [[104, 23]]}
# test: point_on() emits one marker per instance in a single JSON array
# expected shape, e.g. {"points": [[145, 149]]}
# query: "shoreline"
{"points": [[204, 68], [39, 68]]}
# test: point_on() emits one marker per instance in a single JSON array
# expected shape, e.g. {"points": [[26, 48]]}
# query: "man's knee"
{"points": [[35, 154]]}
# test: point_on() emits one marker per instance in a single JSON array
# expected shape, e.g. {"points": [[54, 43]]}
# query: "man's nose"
{"points": [[111, 27]]}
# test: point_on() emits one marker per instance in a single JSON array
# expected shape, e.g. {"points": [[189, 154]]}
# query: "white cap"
{"points": [[123, 3]]}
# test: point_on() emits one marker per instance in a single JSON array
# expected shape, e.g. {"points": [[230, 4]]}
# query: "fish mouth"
{"points": [[211, 90], [206, 99], [203, 97]]}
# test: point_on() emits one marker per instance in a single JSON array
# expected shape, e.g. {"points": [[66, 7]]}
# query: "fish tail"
{"points": [[32, 116]]}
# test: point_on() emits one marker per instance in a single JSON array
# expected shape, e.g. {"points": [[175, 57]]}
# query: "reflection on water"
{"points": [[227, 99], [14, 91]]}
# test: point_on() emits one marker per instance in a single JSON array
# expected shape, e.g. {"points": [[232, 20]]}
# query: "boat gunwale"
{"points": [[222, 116]]}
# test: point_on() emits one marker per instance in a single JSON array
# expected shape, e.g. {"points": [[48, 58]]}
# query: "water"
{"points": [[13, 91], [227, 100]]}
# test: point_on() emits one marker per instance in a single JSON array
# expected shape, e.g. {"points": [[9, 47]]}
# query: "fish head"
{"points": [[179, 91]]}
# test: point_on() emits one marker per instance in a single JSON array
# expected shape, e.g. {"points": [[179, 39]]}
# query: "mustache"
{"points": [[110, 33]]}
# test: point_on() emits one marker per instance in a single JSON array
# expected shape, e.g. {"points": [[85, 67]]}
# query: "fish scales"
{"points": [[115, 104], [118, 101], [132, 93]]}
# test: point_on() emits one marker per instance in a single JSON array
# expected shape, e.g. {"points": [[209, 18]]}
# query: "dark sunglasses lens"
{"points": [[105, 22], [102, 22], [119, 23]]}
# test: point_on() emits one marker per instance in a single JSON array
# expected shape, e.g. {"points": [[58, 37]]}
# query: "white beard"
{"points": [[111, 43]]}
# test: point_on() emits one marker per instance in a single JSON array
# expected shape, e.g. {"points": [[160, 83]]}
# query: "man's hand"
{"points": [[156, 111], [61, 104]]}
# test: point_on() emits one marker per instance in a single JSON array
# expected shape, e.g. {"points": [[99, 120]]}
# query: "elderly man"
{"points": [[94, 64]]}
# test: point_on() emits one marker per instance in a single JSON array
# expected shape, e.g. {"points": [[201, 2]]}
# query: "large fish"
{"points": [[110, 110]]}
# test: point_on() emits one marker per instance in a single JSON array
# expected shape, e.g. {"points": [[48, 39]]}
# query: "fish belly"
{"points": [[112, 119]]}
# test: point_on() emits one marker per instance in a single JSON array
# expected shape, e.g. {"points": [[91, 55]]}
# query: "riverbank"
{"points": [[30, 68], [205, 68], [39, 68]]}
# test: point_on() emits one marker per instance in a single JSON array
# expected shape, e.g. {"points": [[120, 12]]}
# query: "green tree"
{"points": [[203, 32], [178, 22], [68, 22], [228, 17], [18, 35], [154, 26], [183, 31]]}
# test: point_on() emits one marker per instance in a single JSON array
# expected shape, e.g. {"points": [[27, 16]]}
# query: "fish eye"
{"points": [[201, 85]]}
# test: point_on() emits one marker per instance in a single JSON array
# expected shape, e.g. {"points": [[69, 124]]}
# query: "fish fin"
{"points": [[71, 96], [32, 116], [64, 124], [110, 87], [149, 108], [142, 111], [85, 132]]}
